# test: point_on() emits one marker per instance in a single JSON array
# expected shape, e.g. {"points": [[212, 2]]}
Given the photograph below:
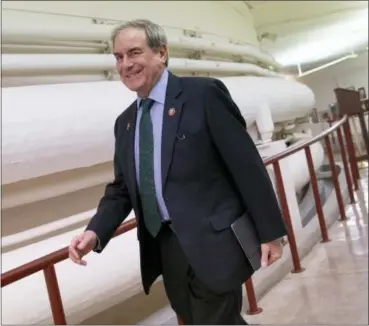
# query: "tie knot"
{"points": [[146, 103]]}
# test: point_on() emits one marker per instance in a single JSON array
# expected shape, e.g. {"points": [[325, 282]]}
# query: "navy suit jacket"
{"points": [[210, 177]]}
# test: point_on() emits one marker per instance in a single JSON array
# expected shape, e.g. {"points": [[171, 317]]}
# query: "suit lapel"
{"points": [[130, 153], [171, 117]]}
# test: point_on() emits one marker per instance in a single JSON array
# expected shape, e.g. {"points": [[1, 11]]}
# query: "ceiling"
{"points": [[310, 32]]}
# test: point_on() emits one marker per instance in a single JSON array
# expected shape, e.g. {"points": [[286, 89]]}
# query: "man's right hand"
{"points": [[81, 245]]}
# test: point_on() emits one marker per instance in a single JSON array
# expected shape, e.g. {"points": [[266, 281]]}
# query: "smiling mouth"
{"points": [[134, 74]]}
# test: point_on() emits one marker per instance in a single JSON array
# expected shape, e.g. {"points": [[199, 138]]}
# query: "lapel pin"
{"points": [[172, 112], [128, 125]]}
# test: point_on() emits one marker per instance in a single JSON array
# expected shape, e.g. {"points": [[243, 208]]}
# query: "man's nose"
{"points": [[126, 63]]}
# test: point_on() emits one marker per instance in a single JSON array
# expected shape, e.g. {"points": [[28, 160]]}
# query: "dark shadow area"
{"points": [[306, 198]]}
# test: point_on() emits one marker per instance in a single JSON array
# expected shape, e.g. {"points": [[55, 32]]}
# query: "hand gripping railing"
{"points": [[46, 263]]}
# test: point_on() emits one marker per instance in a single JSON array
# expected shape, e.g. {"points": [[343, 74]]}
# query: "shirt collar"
{"points": [[159, 90]]}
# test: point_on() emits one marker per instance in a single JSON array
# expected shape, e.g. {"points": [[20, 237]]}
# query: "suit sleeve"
{"points": [[243, 161], [114, 206]]}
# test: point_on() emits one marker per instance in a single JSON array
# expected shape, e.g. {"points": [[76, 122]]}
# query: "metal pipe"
{"points": [[42, 79], [16, 49], [48, 63], [78, 44], [26, 63], [17, 33]]}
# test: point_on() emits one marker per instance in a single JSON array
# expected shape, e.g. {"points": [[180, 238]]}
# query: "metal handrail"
{"points": [[294, 149], [55, 257]]}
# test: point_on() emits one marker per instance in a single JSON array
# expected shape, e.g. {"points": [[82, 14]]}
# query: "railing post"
{"points": [[287, 217], [54, 295], [337, 188], [351, 154], [364, 132], [318, 202], [345, 165], [253, 306]]}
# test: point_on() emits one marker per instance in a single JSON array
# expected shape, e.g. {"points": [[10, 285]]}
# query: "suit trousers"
{"points": [[189, 297]]}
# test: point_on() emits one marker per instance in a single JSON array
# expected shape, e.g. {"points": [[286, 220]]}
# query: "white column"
{"points": [[265, 122]]}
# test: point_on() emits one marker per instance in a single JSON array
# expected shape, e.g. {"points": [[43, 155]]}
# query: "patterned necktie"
{"points": [[146, 171]]}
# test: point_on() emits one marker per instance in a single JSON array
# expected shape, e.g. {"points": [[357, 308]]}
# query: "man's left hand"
{"points": [[271, 252]]}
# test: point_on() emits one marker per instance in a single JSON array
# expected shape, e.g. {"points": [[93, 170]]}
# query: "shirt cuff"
{"points": [[98, 244]]}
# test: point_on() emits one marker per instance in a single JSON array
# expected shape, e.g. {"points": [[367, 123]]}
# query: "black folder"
{"points": [[246, 235]]}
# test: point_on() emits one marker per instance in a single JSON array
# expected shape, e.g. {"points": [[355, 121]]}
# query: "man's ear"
{"points": [[163, 51]]}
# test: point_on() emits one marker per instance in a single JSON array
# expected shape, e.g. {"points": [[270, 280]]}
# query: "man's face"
{"points": [[139, 66]]}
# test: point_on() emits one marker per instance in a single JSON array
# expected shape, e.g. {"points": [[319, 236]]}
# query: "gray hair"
{"points": [[155, 34]]}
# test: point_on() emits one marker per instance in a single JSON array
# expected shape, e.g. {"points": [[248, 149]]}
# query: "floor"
{"points": [[334, 287]]}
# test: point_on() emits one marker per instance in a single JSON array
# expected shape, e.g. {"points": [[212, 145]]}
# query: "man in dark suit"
{"points": [[186, 165]]}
